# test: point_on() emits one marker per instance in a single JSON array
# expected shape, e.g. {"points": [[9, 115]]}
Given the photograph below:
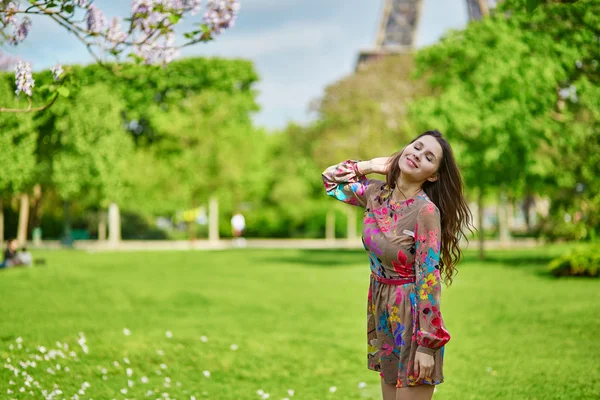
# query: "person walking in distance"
{"points": [[412, 225], [238, 225]]}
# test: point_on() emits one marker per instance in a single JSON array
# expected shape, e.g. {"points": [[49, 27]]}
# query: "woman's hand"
{"points": [[423, 365], [377, 165]]}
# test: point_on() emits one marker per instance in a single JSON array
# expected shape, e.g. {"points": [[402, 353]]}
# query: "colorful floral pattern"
{"points": [[402, 240]]}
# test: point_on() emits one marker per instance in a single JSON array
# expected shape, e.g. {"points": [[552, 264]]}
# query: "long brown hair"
{"points": [[447, 194]]}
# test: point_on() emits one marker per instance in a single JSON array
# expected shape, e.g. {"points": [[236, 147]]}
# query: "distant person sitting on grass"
{"points": [[11, 255], [238, 225]]}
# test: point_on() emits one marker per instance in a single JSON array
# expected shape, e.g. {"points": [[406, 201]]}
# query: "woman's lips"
{"points": [[411, 162]]}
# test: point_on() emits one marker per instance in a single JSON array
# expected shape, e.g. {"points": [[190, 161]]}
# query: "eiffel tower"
{"points": [[398, 26]]}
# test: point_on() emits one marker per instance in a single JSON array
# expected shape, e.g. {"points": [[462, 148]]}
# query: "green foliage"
{"points": [[94, 149], [517, 94], [155, 140], [17, 146], [580, 262]]}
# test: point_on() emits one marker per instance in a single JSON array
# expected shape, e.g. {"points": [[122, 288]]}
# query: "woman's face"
{"points": [[421, 159]]}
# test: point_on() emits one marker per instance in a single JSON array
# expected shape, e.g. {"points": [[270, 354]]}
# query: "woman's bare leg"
{"points": [[388, 391], [421, 392]]}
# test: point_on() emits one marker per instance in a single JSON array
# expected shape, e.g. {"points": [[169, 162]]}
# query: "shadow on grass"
{"points": [[322, 258], [516, 259], [534, 261]]}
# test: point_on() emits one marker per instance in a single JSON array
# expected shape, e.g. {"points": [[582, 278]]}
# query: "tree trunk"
{"points": [[114, 225], [474, 215], [503, 230], [192, 231], [23, 220], [1, 222], [330, 226], [213, 219], [36, 209], [527, 203], [480, 224], [351, 223], [102, 225], [67, 238]]}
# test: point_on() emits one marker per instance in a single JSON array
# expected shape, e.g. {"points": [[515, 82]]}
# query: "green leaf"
{"points": [[174, 18], [63, 91], [532, 5], [137, 59], [205, 29]]}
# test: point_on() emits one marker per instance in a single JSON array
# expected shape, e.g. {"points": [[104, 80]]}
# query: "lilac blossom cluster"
{"points": [[150, 35], [20, 27], [221, 14], [24, 80], [57, 71], [95, 19]]}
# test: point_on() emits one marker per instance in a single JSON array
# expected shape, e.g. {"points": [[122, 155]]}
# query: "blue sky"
{"points": [[298, 46]]}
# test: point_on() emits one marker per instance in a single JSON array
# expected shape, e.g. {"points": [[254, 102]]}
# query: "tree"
{"points": [[369, 106], [17, 155], [498, 90], [95, 151]]}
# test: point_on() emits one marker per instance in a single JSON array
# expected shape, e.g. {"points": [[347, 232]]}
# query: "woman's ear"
{"points": [[433, 178]]}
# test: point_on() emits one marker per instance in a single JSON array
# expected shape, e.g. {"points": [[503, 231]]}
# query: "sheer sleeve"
{"points": [[346, 184], [431, 334]]}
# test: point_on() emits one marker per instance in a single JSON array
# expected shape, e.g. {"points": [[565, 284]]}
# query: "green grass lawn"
{"points": [[298, 319]]}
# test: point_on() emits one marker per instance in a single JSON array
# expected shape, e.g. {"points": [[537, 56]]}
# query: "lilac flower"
{"points": [[175, 5], [145, 14], [57, 71], [193, 5], [9, 15], [221, 14], [95, 19], [114, 33], [21, 31], [158, 52], [24, 80]]}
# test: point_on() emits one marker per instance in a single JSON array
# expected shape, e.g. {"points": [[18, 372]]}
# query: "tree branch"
{"points": [[29, 109]]}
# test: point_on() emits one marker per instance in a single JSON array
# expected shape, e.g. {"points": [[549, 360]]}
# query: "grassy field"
{"points": [[296, 320]]}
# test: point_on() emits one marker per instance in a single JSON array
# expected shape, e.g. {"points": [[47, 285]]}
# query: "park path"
{"points": [[223, 244]]}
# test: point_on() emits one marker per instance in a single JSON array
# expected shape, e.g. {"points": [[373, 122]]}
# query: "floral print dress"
{"points": [[402, 240]]}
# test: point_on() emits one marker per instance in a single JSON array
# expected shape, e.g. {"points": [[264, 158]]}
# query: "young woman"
{"points": [[411, 230]]}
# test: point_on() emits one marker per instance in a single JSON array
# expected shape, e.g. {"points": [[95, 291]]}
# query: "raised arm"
{"points": [[347, 182]]}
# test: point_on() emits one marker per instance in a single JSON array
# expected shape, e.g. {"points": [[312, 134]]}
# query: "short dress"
{"points": [[402, 240]]}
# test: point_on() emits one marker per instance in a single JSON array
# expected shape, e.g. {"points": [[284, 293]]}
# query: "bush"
{"points": [[580, 262]]}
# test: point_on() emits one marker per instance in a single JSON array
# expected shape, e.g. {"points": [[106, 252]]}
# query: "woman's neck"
{"points": [[405, 190]]}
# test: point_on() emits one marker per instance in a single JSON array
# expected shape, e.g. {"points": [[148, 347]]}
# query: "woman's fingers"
{"points": [[423, 373], [417, 369]]}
